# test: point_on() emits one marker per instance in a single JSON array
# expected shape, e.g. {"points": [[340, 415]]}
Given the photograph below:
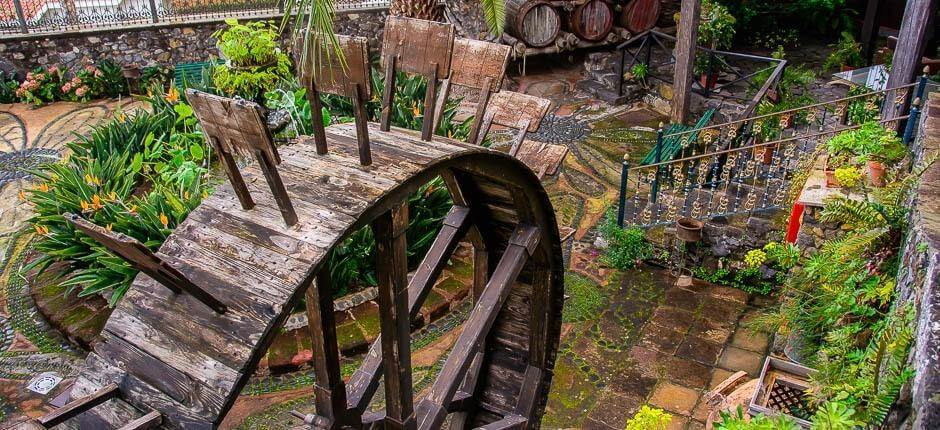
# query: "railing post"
{"points": [[654, 188], [912, 119], [624, 170], [154, 17], [20, 16], [623, 60]]}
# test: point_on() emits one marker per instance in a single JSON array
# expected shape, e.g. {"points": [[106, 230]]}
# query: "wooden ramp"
{"points": [[171, 354]]}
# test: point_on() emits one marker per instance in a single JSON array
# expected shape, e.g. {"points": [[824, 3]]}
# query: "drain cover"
{"points": [[44, 383]]}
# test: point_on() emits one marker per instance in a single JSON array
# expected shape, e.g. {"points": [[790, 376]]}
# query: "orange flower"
{"points": [[41, 229], [43, 187], [109, 226], [92, 180], [22, 195], [96, 202], [415, 110], [164, 220], [85, 206], [173, 95]]}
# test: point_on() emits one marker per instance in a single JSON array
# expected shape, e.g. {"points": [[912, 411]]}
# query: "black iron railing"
{"points": [[19, 17], [738, 167]]}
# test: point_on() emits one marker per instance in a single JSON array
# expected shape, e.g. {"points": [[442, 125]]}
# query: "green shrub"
{"points": [[648, 418], [8, 87], [255, 63], [847, 52], [737, 421], [41, 86], [627, 247]]}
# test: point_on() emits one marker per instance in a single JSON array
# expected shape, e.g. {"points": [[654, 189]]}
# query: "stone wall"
{"points": [[149, 45], [919, 279]]}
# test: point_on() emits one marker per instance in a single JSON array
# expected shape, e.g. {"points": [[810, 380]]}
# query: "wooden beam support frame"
{"points": [[78, 406], [392, 273], [364, 382], [145, 260], [432, 410]]}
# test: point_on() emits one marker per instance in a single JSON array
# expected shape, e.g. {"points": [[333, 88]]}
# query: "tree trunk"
{"points": [[421, 9]]}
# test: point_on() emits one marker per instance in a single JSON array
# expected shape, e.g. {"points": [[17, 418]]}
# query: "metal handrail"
{"points": [[794, 110]]}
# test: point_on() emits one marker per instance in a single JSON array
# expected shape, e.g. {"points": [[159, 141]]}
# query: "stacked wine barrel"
{"points": [[546, 26]]}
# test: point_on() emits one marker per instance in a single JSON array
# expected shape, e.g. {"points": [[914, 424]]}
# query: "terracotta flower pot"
{"points": [[831, 181], [876, 173], [708, 81]]}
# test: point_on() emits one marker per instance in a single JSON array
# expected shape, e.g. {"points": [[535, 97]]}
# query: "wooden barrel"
{"points": [[640, 15], [592, 20], [534, 22]]}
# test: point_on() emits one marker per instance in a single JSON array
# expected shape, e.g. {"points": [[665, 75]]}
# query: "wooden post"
{"points": [[389, 93], [907, 55], [870, 30], [362, 126], [329, 390], [392, 274], [442, 97], [685, 60], [480, 112], [430, 105], [316, 117]]}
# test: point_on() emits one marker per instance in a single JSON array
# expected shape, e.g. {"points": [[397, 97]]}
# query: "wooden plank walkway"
{"points": [[169, 352]]}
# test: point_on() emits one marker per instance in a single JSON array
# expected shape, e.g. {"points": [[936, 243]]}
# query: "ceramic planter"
{"points": [[689, 230], [876, 173], [831, 181], [781, 389]]}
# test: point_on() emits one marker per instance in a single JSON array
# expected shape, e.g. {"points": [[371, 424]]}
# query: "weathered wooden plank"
{"points": [[149, 421], [685, 59], [474, 61], [392, 275], [178, 386], [257, 235], [196, 364], [329, 388], [77, 406], [510, 422], [143, 259], [417, 43], [517, 110], [432, 410]]}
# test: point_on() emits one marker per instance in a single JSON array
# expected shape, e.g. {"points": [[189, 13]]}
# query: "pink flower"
{"points": [[80, 91], [53, 69], [29, 76], [67, 87]]}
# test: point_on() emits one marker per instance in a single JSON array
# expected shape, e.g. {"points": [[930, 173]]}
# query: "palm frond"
{"points": [[855, 244], [494, 12], [313, 24]]}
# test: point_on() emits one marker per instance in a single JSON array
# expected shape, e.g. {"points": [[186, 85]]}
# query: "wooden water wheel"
{"points": [[190, 332]]}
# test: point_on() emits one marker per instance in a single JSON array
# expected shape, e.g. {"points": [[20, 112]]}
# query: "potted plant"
{"points": [[834, 162], [846, 54], [254, 62], [715, 31]]}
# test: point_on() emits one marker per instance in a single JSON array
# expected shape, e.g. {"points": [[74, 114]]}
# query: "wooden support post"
{"points": [[364, 382], [442, 97], [430, 105], [484, 99], [316, 117], [329, 389], [269, 168], [389, 93], [685, 60], [520, 137], [484, 127], [392, 274], [231, 170], [362, 126], [908, 54], [433, 409], [77, 406]]}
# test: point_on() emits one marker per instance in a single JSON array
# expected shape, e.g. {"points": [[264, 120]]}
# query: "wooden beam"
{"points": [[145, 260], [529, 393], [442, 97], [433, 409], [392, 274], [388, 95], [685, 60], [482, 102], [430, 105], [329, 389], [908, 54], [365, 380], [510, 422], [78, 406], [148, 421]]}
